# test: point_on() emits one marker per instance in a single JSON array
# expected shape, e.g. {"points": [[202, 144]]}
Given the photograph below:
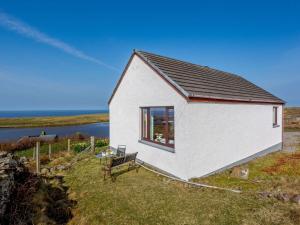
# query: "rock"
{"points": [[9, 169], [239, 172], [296, 199], [44, 171], [68, 165], [23, 160], [3, 154], [283, 197], [60, 167], [265, 194]]}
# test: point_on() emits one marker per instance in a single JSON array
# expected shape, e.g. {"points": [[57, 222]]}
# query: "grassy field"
{"points": [[276, 172], [292, 119], [145, 198], [52, 121]]}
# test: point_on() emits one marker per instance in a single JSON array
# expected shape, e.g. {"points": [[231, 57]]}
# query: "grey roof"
{"points": [[195, 81]]}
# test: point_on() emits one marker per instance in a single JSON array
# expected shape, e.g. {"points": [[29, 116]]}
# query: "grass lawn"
{"points": [[52, 121], [145, 198]]}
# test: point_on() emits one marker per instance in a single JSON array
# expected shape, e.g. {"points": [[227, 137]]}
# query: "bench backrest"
{"points": [[123, 159]]}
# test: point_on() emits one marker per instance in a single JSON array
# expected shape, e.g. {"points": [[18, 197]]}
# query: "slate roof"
{"points": [[195, 81]]}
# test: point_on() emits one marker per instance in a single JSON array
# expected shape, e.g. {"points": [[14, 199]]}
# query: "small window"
{"points": [[158, 125], [275, 116]]}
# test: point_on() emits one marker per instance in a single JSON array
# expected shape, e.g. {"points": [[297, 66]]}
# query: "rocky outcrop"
{"points": [[10, 168]]}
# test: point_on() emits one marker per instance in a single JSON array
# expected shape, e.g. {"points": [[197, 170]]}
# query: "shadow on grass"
{"points": [[39, 200], [122, 170]]}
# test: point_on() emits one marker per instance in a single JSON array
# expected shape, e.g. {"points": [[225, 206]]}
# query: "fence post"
{"points": [[69, 145], [92, 143], [37, 154], [50, 150]]}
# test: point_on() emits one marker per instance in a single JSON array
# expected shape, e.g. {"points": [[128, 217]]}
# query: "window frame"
{"points": [[166, 127], [275, 116]]}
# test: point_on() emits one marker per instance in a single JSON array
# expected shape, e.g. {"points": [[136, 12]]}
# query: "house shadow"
{"points": [[123, 170]]}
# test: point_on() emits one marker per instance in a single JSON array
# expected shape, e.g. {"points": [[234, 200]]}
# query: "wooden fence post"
{"points": [[37, 155], [92, 143], [50, 150], [69, 145]]}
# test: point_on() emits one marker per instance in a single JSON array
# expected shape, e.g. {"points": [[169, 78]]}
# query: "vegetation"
{"points": [[292, 119], [102, 142], [79, 147], [56, 147], [276, 172], [52, 121], [145, 198]]}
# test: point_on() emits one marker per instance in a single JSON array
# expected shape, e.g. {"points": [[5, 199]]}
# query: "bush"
{"points": [[102, 142], [80, 147]]}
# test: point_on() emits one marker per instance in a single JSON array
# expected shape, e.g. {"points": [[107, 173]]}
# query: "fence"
{"points": [[48, 150]]}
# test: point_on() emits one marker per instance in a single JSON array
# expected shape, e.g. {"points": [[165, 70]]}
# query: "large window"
{"points": [[158, 125], [275, 116]]}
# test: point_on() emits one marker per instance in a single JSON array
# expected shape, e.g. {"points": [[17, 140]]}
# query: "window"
{"points": [[158, 125], [275, 116]]}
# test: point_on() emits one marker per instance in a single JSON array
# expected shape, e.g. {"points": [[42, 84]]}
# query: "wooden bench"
{"points": [[119, 161]]}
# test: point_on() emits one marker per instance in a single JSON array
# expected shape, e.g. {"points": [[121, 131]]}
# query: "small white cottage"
{"points": [[190, 120]]}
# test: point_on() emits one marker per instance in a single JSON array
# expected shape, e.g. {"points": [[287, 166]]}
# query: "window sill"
{"points": [[162, 147], [274, 126]]}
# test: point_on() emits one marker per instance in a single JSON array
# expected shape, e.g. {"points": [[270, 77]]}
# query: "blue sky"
{"points": [[69, 55]]}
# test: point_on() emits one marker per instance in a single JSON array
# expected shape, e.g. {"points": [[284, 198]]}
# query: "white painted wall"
{"points": [[208, 136]]}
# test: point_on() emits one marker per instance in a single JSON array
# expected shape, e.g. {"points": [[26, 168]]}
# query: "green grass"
{"points": [[61, 145], [52, 121], [145, 198]]}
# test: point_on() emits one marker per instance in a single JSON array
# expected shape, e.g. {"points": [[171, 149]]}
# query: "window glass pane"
{"points": [[144, 125], [158, 124], [274, 115], [171, 126]]}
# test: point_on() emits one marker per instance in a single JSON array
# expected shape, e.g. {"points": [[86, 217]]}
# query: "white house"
{"points": [[190, 120]]}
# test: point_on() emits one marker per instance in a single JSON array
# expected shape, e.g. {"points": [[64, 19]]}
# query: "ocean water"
{"points": [[100, 130], [40, 113], [13, 134]]}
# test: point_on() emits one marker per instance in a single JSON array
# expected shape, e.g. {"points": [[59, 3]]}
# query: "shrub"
{"points": [[102, 142], [80, 147]]}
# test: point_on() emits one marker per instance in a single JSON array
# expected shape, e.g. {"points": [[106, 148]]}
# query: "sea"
{"points": [[100, 130]]}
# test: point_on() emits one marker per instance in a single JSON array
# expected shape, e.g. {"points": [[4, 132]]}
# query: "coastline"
{"points": [[53, 121]]}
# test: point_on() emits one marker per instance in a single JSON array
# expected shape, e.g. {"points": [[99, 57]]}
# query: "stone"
{"points": [[239, 172], [283, 197], [44, 171], [9, 168], [3, 154], [23, 160], [60, 167], [296, 199], [265, 194]]}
